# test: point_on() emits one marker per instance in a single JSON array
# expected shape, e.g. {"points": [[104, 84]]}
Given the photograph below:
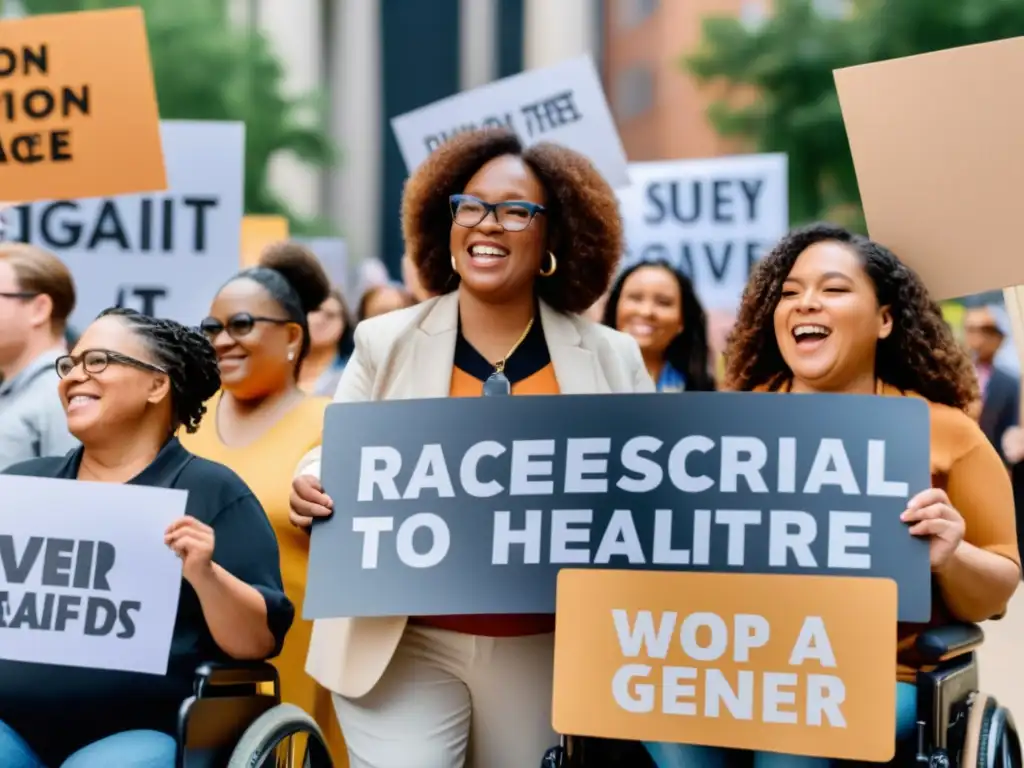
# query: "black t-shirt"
{"points": [[60, 709]]}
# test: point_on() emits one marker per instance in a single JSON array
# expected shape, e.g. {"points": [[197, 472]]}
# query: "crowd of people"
{"points": [[512, 285]]}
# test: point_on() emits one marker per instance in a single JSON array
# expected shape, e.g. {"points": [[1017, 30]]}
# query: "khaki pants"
{"points": [[449, 700]]}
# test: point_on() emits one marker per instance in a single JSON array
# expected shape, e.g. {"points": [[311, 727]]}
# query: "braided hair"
{"points": [[186, 355]]}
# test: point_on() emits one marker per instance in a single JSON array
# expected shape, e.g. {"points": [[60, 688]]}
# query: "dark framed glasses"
{"points": [[18, 294], [511, 215], [237, 326], [97, 360]]}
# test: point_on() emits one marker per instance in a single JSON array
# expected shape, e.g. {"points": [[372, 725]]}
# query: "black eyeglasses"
{"points": [[511, 215], [97, 360], [237, 325], [18, 294]]}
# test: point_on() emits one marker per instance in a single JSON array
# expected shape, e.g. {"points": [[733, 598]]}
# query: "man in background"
{"points": [[985, 330], [37, 296]]}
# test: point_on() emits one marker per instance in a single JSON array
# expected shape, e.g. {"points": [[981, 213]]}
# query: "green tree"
{"points": [[205, 68], [787, 61]]}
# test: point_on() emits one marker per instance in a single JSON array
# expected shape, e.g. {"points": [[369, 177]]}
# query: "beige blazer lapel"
{"points": [[420, 363], [577, 368]]}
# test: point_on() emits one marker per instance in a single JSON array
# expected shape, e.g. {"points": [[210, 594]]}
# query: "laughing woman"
{"points": [[830, 311]]}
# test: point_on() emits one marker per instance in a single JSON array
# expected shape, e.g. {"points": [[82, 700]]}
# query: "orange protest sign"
{"points": [[78, 111], [801, 665], [257, 233]]}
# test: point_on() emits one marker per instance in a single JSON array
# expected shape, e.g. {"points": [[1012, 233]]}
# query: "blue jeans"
{"points": [[130, 749], [693, 756]]}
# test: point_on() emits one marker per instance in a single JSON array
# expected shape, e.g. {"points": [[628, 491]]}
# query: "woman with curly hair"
{"points": [[130, 383], [655, 303], [831, 311], [515, 241]]}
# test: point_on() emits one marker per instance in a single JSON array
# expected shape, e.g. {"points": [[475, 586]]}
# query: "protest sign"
{"points": [[801, 665], [78, 110], [939, 176], [564, 104], [333, 256], [85, 577], [712, 218], [164, 255], [257, 233], [434, 519]]}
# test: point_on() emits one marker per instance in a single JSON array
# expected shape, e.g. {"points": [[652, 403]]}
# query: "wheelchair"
{"points": [[235, 718], [958, 726]]}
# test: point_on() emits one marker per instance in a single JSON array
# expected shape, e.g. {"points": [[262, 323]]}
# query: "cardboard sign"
{"points": [[712, 218], [793, 664], [164, 255], [257, 233], [85, 577], [78, 115], [940, 161], [564, 104], [433, 520]]}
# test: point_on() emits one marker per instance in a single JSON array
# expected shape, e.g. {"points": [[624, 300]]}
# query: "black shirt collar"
{"points": [[161, 473], [531, 356]]}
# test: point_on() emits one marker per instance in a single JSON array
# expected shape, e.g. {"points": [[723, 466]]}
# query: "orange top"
{"points": [[530, 372], [966, 466]]}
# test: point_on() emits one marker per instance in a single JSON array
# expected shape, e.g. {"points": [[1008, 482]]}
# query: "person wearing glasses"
{"points": [[37, 296], [516, 242], [262, 422], [129, 384]]}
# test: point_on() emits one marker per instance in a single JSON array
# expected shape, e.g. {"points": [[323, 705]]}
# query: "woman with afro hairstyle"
{"points": [[831, 311], [130, 383], [515, 241]]}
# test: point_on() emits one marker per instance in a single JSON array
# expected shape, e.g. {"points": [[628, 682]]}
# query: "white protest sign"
{"points": [[164, 254], [563, 104], [333, 256], [85, 577], [714, 218]]}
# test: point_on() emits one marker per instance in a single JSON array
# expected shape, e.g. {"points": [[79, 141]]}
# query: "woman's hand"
{"points": [[193, 542], [308, 501], [931, 514]]}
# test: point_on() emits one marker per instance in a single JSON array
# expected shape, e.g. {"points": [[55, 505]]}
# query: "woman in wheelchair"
{"points": [[830, 311], [129, 384]]}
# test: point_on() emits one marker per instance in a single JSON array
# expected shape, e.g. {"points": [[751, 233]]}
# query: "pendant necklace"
{"points": [[497, 383]]}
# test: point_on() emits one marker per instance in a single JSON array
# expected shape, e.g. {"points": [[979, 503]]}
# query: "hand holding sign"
{"points": [[193, 542], [933, 515], [308, 501]]}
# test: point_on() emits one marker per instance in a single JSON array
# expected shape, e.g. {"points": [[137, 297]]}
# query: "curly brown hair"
{"points": [[920, 355], [584, 225]]}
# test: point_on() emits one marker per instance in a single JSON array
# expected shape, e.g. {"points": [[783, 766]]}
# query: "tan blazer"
{"points": [[409, 354]]}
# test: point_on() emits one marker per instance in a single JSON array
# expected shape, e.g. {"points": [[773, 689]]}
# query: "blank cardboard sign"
{"points": [[939, 152]]}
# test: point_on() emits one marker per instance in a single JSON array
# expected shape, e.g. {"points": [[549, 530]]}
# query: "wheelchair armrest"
{"points": [[939, 644], [216, 673]]}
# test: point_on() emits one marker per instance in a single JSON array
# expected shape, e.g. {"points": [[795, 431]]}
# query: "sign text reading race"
{"points": [[78, 113], [85, 577], [793, 664], [473, 505]]}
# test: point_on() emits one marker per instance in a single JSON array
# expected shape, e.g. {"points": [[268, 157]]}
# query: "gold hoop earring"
{"points": [[455, 269], [551, 269]]}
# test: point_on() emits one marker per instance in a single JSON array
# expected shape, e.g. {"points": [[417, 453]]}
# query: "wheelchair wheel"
{"points": [[991, 739], [258, 747]]}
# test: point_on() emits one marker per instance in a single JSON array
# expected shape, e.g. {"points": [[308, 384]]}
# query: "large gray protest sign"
{"points": [[564, 104], [469, 506]]}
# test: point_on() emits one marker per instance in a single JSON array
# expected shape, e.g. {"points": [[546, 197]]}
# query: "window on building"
{"points": [[634, 12], [634, 92]]}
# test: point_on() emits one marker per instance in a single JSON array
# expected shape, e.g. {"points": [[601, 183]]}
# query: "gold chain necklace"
{"points": [[497, 383]]}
